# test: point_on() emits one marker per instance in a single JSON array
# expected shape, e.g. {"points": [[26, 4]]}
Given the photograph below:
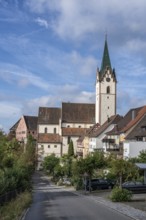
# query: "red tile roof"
{"points": [[97, 130], [49, 138], [73, 131], [129, 121], [133, 122]]}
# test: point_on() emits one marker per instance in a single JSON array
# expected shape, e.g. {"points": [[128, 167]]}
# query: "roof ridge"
{"points": [[140, 114]]}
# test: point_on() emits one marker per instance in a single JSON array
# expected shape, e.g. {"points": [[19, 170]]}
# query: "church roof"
{"points": [[106, 63], [73, 131], [78, 113], [49, 115], [49, 138]]}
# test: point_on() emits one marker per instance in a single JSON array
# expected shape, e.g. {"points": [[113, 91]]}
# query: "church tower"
{"points": [[105, 89]]}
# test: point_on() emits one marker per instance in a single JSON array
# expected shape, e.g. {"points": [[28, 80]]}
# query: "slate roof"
{"points": [[129, 120], [14, 127], [73, 131], [97, 130], [49, 115], [105, 59], [106, 64], [49, 138], [139, 130], [78, 113], [31, 122]]}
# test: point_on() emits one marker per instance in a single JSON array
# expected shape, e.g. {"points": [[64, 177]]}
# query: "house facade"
{"points": [[27, 125], [49, 133], [97, 135], [126, 134], [135, 141]]}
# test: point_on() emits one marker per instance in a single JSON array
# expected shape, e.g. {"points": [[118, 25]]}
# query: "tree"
{"points": [[124, 170], [142, 156], [50, 162], [71, 149]]}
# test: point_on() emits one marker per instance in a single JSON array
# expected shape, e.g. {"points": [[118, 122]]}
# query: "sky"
{"points": [[50, 51]]}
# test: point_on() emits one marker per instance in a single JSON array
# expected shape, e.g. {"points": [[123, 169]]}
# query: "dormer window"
{"points": [[143, 128]]}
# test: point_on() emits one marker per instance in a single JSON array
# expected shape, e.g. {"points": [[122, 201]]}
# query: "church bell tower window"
{"points": [[108, 90]]}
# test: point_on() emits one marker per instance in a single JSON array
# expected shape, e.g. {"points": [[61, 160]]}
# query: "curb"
{"points": [[22, 217]]}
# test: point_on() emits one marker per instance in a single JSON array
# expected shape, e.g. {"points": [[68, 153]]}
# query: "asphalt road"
{"points": [[57, 203]]}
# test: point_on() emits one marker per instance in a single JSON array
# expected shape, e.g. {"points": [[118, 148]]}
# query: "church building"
{"points": [[58, 126], [105, 89]]}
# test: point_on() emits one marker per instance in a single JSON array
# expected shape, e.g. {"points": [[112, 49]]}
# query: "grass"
{"points": [[14, 209]]}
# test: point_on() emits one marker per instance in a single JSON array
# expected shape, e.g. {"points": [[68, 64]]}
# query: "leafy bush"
{"points": [[119, 195], [77, 183], [14, 209]]}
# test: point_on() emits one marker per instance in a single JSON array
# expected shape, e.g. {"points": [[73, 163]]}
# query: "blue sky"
{"points": [[50, 50]]}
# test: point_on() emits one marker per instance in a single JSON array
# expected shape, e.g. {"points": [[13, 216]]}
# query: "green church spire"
{"points": [[105, 59]]}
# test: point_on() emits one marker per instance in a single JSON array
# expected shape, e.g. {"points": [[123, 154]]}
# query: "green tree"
{"points": [[71, 149], [50, 162], [142, 156], [124, 170]]}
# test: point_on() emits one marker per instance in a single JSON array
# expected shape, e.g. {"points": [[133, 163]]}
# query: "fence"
{"points": [[7, 197]]}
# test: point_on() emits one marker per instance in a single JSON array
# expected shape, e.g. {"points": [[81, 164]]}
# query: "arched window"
{"points": [[108, 89], [45, 130], [54, 130]]}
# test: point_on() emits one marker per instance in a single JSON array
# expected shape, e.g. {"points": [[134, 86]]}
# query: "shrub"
{"points": [[15, 208], [119, 195], [77, 183]]}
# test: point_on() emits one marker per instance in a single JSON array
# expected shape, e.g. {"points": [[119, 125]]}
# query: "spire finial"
{"points": [[106, 34]]}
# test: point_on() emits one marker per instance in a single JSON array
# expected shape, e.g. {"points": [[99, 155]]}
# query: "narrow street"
{"points": [[53, 202]]}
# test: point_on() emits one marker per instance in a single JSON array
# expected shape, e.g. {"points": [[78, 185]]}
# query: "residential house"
{"points": [[12, 130], [97, 135], [124, 127], [135, 141], [27, 125]]}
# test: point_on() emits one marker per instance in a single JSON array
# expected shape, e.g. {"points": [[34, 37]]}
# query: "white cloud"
{"points": [[85, 65], [15, 75], [74, 19], [42, 22]]}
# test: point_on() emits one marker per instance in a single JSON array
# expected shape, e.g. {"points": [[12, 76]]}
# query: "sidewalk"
{"points": [[135, 209]]}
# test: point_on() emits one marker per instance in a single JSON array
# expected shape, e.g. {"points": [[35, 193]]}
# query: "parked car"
{"points": [[135, 187], [95, 184], [66, 181]]}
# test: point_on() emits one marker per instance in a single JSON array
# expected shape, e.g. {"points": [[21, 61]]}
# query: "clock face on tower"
{"points": [[108, 79]]}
